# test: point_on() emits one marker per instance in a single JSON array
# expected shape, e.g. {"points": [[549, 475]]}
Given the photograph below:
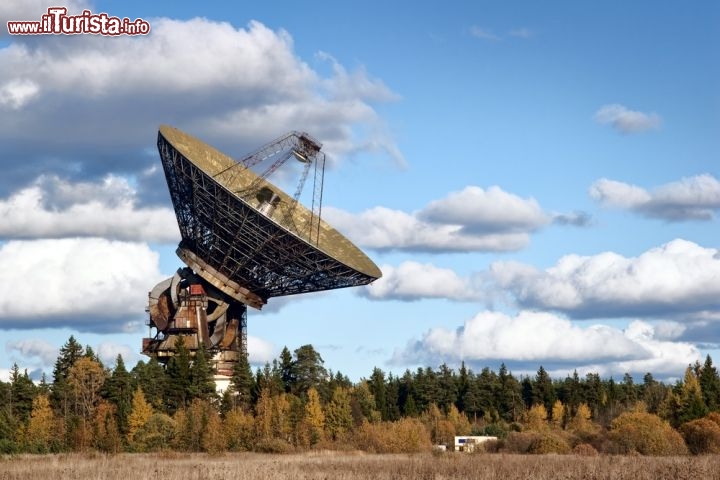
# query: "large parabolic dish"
{"points": [[248, 254], [244, 241]]}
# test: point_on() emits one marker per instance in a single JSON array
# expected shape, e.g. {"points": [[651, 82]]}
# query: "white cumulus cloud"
{"points": [[88, 284], [473, 219], [679, 277], [55, 208], [691, 198], [486, 210], [625, 120], [545, 338], [102, 97], [413, 281]]}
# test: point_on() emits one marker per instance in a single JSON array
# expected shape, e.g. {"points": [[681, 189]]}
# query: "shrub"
{"points": [[519, 442], [646, 434], [713, 417], [701, 436], [585, 450], [8, 447], [156, 435], [493, 430], [274, 445], [408, 435], [548, 442]]}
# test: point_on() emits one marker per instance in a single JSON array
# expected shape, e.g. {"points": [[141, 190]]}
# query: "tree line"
{"points": [[295, 403]]}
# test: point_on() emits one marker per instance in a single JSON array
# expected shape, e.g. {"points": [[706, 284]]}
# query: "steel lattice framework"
{"points": [[231, 238]]}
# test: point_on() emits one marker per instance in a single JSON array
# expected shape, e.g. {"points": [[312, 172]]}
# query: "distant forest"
{"points": [[295, 403]]}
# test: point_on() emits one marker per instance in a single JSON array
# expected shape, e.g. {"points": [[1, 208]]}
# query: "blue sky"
{"points": [[539, 182]]}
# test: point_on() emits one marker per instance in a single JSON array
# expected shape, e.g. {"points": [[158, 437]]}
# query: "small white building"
{"points": [[467, 443]]}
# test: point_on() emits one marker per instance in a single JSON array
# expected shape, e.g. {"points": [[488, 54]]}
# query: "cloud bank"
{"points": [[691, 198], [679, 277], [56, 208], [473, 219], [413, 281], [535, 338], [237, 89], [89, 284]]}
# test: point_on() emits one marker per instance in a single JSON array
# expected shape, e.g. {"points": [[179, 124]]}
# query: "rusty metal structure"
{"points": [[243, 242]]}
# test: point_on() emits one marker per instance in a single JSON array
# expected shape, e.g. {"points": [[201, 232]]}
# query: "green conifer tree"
{"points": [[118, 389]]}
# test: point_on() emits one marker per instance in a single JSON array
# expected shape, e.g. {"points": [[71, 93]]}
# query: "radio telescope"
{"points": [[244, 241]]}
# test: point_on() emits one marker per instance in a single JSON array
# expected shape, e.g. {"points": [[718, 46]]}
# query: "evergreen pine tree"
{"points": [[118, 389], [202, 382], [177, 388], [543, 390], [391, 398], [486, 388], [447, 383], [43, 387], [710, 385], [286, 370], [242, 384], [69, 354], [692, 404], [153, 379], [307, 370], [463, 385], [90, 353], [378, 388], [508, 395], [22, 393], [628, 391], [652, 393]]}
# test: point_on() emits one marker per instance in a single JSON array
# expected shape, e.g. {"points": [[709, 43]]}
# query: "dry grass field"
{"points": [[355, 466]]}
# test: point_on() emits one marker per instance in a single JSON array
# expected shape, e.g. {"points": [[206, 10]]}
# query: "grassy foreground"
{"points": [[354, 466]]}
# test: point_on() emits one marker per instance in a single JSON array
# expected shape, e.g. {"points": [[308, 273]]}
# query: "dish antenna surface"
{"points": [[243, 242]]}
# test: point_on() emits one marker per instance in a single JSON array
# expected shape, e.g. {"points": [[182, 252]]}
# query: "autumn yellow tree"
{"points": [[280, 423], [140, 413], [106, 435], [213, 437], [85, 379], [42, 427], [314, 416], [459, 421], [158, 433], [442, 431], [193, 424], [238, 429], [692, 403], [536, 418], [338, 414], [582, 423], [558, 414], [263, 416]]}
